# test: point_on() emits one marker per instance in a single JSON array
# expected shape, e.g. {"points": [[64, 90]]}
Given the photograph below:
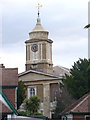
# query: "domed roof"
{"points": [[38, 26]]}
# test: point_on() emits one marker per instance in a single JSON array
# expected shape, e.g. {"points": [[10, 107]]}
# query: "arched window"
{"points": [[31, 91]]}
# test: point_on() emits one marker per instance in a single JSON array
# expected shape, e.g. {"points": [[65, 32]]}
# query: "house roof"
{"points": [[61, 71], [5, 104], [80, 106], [9, 76]]}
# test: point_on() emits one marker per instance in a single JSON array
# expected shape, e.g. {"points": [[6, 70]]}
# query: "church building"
{"points": [[38, 76]]}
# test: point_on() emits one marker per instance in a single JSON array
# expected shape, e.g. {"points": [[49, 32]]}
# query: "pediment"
{"points": [[35, 75]]}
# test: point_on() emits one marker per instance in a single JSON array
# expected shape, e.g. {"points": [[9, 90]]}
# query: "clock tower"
{"points": [[39, 49]]}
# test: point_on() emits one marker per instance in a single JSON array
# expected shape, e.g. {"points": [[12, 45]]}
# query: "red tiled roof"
{"points": [[9, 76], [81, 105]]}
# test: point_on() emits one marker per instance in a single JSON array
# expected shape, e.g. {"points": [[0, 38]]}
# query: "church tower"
{"points": [[39, 49]]}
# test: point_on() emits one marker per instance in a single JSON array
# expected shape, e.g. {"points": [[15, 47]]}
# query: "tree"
{"points": [[88, 78], [87, 26], [77, 82], [32, 105], [20, 93], [63, 101]]}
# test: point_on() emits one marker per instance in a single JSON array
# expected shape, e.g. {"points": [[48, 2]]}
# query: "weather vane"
{"points": [[39, 5]]}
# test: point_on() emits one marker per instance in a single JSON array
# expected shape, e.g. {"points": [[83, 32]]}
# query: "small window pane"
{"points": [[32, 91]]}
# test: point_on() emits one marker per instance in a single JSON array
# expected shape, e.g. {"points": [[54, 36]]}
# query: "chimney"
{"points": [[2, 66]]}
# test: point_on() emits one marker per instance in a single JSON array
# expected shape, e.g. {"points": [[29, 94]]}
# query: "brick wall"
{"points": [[78, 117], [10, 93]]}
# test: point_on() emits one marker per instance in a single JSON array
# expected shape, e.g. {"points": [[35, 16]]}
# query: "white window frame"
{"points": [[86, 116], [28, 90]]}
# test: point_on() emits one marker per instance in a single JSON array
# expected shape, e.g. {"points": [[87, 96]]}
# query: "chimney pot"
{"points": [[2, 66]]}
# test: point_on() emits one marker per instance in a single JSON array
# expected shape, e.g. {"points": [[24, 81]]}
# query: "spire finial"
{"points": [[39, 5]]}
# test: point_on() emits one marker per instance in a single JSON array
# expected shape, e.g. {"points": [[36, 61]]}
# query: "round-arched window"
{"points": [[32, 91]]}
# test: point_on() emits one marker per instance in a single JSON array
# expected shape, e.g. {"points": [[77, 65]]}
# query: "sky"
{"points": [[64, 19]]}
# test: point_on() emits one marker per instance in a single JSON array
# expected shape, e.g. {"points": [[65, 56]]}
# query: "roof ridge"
{"points": [[75, 103]]}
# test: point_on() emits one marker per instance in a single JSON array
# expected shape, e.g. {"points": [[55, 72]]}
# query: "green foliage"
{"points": [[21, 93], [37, 113], [32, 105], [77, 82], [63, 101], [87, 26], [25, 113], [59, 108], [22, 113], [88, 78], [75, 85]]}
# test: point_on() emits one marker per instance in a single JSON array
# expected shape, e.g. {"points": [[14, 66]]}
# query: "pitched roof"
{"points": [[61, 71], [6, 105], [80, 106], [9, 76]]}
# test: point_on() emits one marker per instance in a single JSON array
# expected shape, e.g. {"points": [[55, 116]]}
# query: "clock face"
{"points": [[34, 47]]}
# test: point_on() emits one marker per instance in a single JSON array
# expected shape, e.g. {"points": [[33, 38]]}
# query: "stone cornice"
{"points": [[38, 82], [39, 32], [38, 40]]}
